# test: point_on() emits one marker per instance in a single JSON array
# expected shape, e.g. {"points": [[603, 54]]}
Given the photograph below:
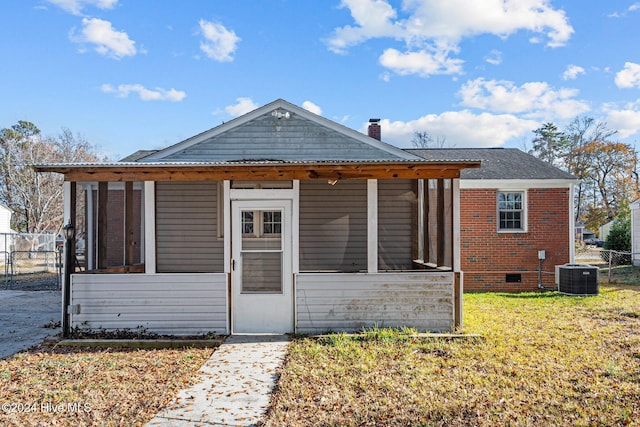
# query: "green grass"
{"points": [[546, 359]]}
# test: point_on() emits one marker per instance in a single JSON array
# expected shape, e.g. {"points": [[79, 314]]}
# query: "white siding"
{"points": [[350, 302], [175, 304], [635, 232]]}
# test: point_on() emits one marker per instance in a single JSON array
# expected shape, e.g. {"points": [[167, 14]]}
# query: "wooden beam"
{"points": [[103, 203], [128, 223], [322, 171]]}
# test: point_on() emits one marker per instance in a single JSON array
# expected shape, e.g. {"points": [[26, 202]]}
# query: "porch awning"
{"points": [[258, 170]]}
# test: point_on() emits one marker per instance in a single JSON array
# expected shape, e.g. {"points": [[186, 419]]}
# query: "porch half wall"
{"points": [[350, 302], [166, 304]]}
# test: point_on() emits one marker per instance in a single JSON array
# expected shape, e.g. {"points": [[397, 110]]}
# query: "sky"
{"points": [[129, 75]]}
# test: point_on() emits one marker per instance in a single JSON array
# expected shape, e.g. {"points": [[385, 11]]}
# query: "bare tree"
{"points": [[578, 160], [426, 140], [36, 199]]}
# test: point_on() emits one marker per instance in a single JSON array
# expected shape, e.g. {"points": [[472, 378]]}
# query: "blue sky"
{"points": [[145, 74]]}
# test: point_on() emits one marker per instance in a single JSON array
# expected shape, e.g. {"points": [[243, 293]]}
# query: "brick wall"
{"points": [[488, 256]]}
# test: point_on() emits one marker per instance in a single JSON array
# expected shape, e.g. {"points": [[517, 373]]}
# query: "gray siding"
{"points": [[350, 302], [267, 138], [397, 224], [333, 226], [175, 304], [186, 228]]}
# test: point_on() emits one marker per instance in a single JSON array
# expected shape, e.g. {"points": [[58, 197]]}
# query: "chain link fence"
{"points": [[30, 261], [614, 266]]}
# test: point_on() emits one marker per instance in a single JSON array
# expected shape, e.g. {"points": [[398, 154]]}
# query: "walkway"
{"points": [[234, 387], [26, 318]]}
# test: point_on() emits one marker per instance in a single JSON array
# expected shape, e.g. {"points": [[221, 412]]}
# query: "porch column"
{"points": [[458, 286], [372, 225], [69, 211], [89, 251], [226, 215], [103, 203], [149, 227], [128, 223]]}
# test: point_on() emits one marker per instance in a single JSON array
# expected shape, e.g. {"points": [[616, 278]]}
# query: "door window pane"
{"points": [[247, 222], [272, 222], [262, 272]]}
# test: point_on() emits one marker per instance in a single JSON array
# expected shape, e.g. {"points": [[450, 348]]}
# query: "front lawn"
{"points": [[91, 386], [545, 359]]}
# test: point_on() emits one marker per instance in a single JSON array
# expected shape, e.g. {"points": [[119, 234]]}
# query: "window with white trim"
{"points": [[511, 211]]}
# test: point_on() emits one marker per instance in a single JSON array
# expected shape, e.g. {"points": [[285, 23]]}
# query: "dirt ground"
{"points": [[27, 318]]}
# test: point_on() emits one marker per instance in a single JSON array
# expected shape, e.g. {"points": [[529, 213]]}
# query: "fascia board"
{"points": [[515, 183]]}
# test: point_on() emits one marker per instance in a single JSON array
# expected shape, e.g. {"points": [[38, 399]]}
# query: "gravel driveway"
{"points": [[23, 316]]}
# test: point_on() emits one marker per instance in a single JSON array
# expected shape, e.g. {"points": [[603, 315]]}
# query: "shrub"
{"points": [[619, 239]]}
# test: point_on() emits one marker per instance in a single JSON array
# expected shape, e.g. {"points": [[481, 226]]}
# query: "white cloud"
{"points": [[373, 19], [462, 129], [438, 26], [626, 120], [572, 72], [422, 63], [75, 7], [310, 106], [629, 76], [494, 58], [634, 7], [108, 41], [242, 106], [535, 100], [219, 43], [155, 94]]}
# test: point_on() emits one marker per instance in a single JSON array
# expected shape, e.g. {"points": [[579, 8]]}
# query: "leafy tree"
{"points": [[36, 199], [606, 169], [578, 161], [550, 144]]}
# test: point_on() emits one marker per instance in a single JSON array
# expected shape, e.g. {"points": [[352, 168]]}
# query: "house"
{"points": [[277, 221], [635, 232], [6, 232], [516, 219], [605, 229]]}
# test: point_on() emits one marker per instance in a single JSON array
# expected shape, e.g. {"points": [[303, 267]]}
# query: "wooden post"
{"points": [[427, 228], [441, 225], [128, 223], [103, 203], [457, 300]]}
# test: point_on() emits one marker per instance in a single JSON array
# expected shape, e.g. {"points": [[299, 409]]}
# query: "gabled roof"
{"points": [[279, 131], [497, 163], [279, 141]]}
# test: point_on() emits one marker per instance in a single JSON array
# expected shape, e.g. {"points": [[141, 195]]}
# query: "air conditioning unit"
{"points": [[577, 279]]}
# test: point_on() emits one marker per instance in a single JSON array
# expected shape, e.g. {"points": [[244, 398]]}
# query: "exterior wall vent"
{"points": [[513, 278]]}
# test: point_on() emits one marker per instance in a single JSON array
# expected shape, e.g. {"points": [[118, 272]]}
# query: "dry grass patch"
{"points": [[87, 387], [546, 360]]}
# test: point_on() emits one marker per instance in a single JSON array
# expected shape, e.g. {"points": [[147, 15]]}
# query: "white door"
{"points": [[262, 296]]}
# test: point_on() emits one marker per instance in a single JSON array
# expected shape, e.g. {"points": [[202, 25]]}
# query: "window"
{"points": [[261, 223], [511, 213], [272, 222]]}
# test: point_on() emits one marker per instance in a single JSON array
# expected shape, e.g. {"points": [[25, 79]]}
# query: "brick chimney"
{"points": [[374, 129]]}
